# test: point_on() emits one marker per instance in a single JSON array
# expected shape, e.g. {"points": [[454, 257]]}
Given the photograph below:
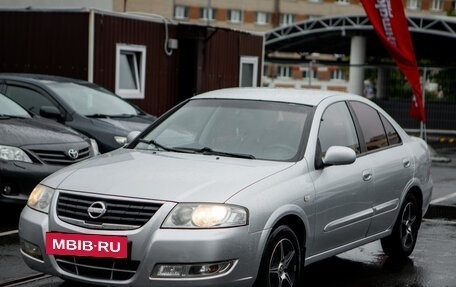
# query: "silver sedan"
{"points": [[235, 187]]}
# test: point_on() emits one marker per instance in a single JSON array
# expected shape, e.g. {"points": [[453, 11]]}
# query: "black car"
{"points": [[86, 107], [32, 147]]}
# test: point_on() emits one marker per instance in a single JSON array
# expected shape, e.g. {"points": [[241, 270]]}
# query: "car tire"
{"points": [[402, 240], [281, 262]]}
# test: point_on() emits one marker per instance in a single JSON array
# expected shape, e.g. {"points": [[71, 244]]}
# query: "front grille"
{"points": [[59, 157], [120, 214], [98, 268]]}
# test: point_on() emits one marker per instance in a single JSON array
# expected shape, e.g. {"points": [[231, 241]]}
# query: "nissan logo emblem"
{"points": [[97, 209], [73, 153]]}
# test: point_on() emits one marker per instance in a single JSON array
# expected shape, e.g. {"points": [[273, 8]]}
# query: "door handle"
{"points": [[367, 175], [406, 162]]}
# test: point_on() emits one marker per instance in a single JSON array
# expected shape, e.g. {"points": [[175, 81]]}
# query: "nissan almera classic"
{"points": [[236, 187]]}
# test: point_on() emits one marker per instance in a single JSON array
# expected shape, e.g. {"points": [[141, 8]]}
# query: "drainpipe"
{"points": [[91, 46]]}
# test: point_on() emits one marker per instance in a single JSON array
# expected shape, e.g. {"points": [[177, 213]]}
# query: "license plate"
{"points": [[86, 245]]}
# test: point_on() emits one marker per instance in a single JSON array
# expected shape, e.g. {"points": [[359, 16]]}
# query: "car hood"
{"points": [[31, 131], [164, 176], [128, 124]]}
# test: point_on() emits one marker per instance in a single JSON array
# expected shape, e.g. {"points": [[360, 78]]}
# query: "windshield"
{"points": [[253, 129], [8, 108], [92, 102]]}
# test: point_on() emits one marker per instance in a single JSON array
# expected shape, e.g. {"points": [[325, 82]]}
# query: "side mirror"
{"points": [[131, 136], [339, 155], [50, 112]]}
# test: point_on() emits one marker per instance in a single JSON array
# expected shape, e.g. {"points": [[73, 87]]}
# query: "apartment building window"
{"points": [[130, 71], [287, 19], [413, 4], [311, 17], [235, 16], [207, 14], [248, 71], [262, 18], [313, 73], [343, 1], [437, 5], [337, 75], [283, 72], [181, 12]]}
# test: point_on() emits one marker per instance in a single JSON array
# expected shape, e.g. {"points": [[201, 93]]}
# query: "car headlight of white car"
{"points": [[120, 140], [40, 198], [206, 215], [94, 145], [13, 153]]}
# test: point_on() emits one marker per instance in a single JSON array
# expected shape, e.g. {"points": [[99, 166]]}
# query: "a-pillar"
{"points": [[357, 59]]}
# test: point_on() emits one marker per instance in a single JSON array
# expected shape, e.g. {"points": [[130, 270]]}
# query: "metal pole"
{"points": [[310, 74], [207, 11], [423, 88]]}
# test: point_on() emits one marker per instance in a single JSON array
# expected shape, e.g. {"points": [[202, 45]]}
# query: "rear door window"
{"points": [[391, 133]]}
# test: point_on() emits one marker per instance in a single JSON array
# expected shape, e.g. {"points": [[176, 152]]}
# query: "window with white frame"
{"points": [[248, 74], [284, 71], [343, 1], [262, 18], [181, 12], [313, 74], [207, 14], [337, 75], [287, 19], [234, 16], [437, 5], [413, 4], [130, 71]]}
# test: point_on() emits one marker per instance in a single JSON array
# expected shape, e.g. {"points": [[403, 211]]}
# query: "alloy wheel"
{"points": [[282, 266], [409, 225]]}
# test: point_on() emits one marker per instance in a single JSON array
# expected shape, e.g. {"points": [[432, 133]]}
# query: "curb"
{"points": [[441, 211]]}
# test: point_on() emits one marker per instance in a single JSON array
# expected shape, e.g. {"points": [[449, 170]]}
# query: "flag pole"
{"points": [[423, 91]]}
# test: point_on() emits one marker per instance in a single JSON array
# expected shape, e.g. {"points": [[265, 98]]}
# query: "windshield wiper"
{"points": [[210, 151], [5, 116], [123, 116], [98, 116], [162, 147], [110, 116]]}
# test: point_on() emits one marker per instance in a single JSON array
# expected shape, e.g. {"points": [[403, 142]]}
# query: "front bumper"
{"points": [[151, 245], [17, 179]]}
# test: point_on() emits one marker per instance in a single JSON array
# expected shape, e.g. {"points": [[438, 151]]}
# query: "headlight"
{"points": [[94, 145], [40, 198], [205, 215], [120, 140], [13, 153]]}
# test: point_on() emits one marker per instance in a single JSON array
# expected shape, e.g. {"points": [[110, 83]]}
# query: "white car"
{"points": [[235, 187]]}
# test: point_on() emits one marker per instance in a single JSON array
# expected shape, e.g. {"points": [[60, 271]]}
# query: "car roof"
{"points": [[39, 78], [310, 97]]}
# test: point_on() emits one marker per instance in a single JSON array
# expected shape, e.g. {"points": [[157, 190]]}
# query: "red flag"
{"points": [[389, 21]]}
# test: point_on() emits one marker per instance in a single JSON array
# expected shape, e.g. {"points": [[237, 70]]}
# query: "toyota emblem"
{"points": [[73, 153], [97, 209]]}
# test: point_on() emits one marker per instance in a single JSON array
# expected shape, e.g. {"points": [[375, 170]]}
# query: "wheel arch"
{"points": [[292, 216], [297, 225]]}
